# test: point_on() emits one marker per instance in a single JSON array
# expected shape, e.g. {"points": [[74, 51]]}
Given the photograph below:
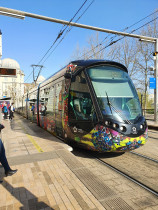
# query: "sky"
{"points": [[27, 41]]}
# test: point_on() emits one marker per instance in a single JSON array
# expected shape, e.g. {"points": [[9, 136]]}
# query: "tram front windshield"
{"points": [[116, 94]]}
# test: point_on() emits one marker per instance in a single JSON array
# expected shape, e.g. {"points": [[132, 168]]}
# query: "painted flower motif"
{"points": [[106, 139]]}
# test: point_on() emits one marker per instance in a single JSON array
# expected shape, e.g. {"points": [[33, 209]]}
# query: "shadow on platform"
{"points": [[25, 198]]}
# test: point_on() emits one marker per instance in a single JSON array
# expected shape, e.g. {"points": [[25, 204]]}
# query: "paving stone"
{"points": [[57, 179]]}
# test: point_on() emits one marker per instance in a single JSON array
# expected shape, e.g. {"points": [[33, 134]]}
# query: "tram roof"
{"points": [[84, 64], [88, 63]]}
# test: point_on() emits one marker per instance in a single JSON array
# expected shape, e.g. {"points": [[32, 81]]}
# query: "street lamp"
{"points": [[152, 70]]}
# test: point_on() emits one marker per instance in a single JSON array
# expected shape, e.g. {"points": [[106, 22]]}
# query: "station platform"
{"points": [[152, 124], [50, 176]]}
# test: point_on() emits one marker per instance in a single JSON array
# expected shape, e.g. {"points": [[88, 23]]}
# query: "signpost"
{"points": [[152, 83]]}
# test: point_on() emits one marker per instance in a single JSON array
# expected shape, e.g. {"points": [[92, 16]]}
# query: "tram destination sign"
{"points": [[7, 72]]}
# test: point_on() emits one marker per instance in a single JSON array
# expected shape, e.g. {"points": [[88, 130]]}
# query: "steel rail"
{"points": [[152, 137], [144, 156], [128, 177]]}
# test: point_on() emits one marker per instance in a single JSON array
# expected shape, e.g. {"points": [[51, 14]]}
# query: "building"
{"points": [[11, 86], [29, 86]]}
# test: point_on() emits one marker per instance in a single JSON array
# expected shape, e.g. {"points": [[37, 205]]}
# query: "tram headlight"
{"points": [[106, 122], [141, 126], [115, 125], [123, 128]]}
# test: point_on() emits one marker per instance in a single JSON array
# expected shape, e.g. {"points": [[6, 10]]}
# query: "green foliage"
{"points": [[149, 101]]}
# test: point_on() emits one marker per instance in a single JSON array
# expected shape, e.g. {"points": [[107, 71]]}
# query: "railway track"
{"points": [[138, 168], [144, 156], [129, 177], [153, 134], [133, 167]]}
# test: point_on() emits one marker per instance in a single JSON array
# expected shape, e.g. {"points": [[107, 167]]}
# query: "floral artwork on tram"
{"points": [[106, 140]]}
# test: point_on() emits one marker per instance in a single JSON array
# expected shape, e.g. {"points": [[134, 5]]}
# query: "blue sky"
{"points": [[28, 40]]}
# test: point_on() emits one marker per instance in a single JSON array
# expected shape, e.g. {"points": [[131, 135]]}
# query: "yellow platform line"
{"points": [[39, 149], [35, 143]]}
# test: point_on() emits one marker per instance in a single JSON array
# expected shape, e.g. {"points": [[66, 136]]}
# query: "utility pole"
{"points": [[156, 78], [0, 44], [35, 66], [22, 15]]}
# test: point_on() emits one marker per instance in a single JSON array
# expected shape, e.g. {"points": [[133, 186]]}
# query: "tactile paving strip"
{"points": [[69, 159], [94, 184], [116, 203], [32, 158], [99, 189]]}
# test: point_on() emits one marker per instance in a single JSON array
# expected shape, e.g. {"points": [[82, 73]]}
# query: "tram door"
{"points": [[59, 107], [81, 111]]}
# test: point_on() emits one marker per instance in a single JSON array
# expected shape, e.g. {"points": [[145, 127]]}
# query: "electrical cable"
{"points": [[58, 36], [121, 30], [61, 32], [68, 32], [113, 42]]}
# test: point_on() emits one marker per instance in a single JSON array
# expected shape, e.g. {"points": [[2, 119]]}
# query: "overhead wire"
{"points": [[59, 35], [70, 28], [117, 35], [113, 42], [62, 31]]}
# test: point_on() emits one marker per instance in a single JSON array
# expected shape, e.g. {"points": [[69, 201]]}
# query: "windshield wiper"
{"points": [[117, 111], [109, 104]]}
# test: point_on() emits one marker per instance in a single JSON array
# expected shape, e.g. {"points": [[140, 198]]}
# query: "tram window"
{"points": [[80, 103], [32, 106], [113, 85], [46, 101], [58, 101]]}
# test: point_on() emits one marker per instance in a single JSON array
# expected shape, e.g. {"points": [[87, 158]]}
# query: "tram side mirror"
{"points": [[67, 75]]}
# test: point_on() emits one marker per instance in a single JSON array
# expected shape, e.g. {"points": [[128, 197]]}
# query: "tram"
{"points": [[92, 103]]}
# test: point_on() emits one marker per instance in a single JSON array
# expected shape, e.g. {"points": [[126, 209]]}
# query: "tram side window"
{"points": [[32, 106], [58, 104], [43, 101], [80, 103], [50, 100]]}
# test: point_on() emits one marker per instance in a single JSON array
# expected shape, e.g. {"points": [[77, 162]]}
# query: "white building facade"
{"points": [[12, 86]]}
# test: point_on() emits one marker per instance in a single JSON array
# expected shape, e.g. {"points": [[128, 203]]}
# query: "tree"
{"points": [[92, 51], [145, 58], [125, 52], [12, 91], [137, 57]]}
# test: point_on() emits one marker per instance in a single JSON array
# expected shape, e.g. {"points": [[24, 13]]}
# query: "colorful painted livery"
{"points": [[92, 103]]}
